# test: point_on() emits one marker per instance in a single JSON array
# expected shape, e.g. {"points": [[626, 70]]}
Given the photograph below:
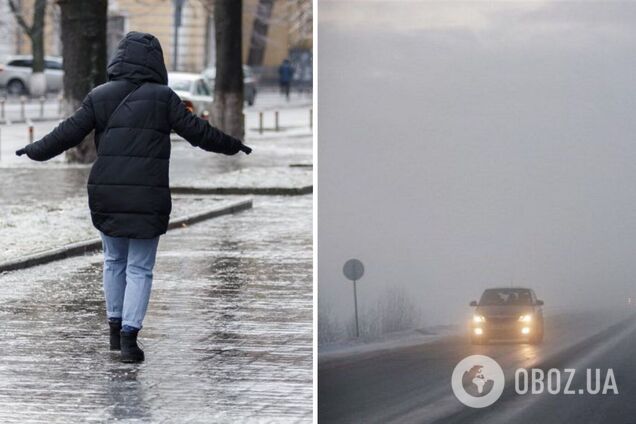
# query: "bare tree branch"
{"points": [[18, 17]]}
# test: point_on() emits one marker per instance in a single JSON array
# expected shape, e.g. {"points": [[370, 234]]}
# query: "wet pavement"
{"points": [[228, 334]]}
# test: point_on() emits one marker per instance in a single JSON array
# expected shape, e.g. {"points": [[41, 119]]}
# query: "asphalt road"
{"points": [[412, 384]]}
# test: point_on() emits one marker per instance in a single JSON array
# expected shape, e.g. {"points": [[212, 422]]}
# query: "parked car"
{"points": [[193, 91], [507, 313], [15, 73], [249, 82]]}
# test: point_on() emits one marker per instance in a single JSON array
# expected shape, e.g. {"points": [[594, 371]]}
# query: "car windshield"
{"points": [[52, 64], [506, 297], [180, 84], [202, 88]]}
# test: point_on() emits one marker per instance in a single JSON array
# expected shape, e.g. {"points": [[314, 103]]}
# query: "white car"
{"points": [[249, 82], [193, 91], [15, 73]]}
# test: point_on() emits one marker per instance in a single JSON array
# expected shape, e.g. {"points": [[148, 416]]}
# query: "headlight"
{"points": [[525, 318], [478, 318]]}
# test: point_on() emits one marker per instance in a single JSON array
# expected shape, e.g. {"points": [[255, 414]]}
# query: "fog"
{"points": [[468, 145]]}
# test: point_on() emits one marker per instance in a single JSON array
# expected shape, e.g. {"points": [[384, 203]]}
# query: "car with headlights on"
{"points": [[507, 313]]}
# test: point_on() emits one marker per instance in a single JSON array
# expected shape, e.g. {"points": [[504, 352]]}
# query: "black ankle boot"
{"points": [[130, 352], [115, 328]]}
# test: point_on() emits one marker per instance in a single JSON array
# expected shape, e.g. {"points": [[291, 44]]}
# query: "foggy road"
{"points": [[412, 384]]}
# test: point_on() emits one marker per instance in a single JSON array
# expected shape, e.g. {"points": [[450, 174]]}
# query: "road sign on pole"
{"points": [[354, 270]]}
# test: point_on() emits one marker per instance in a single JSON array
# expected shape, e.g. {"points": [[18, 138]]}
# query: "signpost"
{"points": [[354, 270]]}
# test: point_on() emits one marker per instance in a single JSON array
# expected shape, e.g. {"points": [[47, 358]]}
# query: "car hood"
{"points": [[502, 311]]}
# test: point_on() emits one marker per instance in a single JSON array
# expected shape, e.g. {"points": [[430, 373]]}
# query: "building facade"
{"points": [[188, 46]]}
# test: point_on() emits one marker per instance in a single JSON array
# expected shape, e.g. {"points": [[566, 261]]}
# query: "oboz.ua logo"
{"points": [[477, 381]]}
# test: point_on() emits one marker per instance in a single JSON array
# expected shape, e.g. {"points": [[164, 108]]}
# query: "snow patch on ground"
{"points": [[284, 177], [28, 229], [395, 340]]}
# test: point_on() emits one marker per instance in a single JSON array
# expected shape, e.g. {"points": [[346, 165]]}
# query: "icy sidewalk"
{"points": [[227, 335]]}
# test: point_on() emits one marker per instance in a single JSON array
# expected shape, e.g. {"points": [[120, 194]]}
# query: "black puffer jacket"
{"points": [[128, 188]]}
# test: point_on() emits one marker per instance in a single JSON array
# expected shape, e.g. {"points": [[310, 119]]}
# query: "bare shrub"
{"points": [[329, 330], [394, 311]]}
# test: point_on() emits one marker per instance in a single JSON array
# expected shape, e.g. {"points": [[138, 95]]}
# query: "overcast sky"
{"points": [[472, 144]]}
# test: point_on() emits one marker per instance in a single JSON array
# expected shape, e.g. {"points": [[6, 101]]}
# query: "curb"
{"points": [[260, 191], [82, 247]]}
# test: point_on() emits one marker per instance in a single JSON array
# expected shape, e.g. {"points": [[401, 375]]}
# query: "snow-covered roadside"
{"points": [[27, 229], [396, 340]]}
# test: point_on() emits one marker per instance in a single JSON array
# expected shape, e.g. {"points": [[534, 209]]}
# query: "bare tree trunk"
{"points": [[258, 41], [228, 84], [84, 52], [35, 32], [208, 5]]}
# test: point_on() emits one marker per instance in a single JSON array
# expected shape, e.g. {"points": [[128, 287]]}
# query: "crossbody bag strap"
{"points": [[110, 118]]}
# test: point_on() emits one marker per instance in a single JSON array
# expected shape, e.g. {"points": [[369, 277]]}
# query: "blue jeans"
{"points": [[128, 265]]}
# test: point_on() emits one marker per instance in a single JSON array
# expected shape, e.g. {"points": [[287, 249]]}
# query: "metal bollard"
{"points": [[42, 100], [22, 112], [276, 120], [311, 118], [260, 122], [30, 132], [2, 100], [59, 105]]}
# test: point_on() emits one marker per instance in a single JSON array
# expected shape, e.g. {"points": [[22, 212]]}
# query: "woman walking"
{"points": [[128, 189]]}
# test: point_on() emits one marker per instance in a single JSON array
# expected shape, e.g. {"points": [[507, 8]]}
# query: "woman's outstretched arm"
{"points": [[199, 132], [69, 133]]}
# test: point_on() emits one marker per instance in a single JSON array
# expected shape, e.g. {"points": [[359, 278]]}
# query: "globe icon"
{"points": [[475, 383]]}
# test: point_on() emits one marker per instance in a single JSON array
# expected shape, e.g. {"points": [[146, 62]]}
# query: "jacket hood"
{"points": [[138, 58]]}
